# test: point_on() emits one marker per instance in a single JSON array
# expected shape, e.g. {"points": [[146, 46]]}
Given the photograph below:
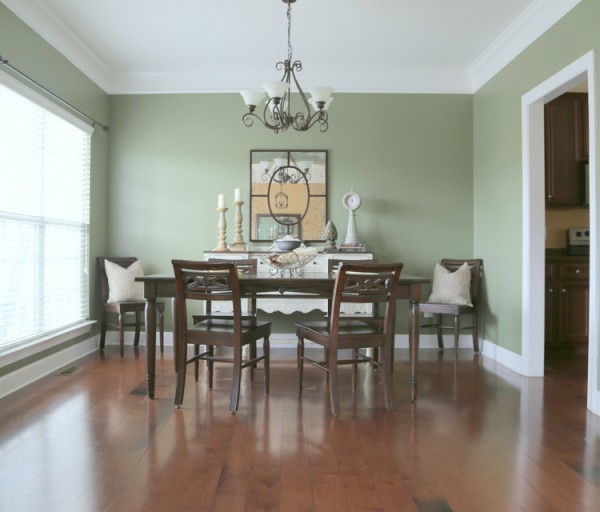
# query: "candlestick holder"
{"points": [[222, 246], [238, 239]]}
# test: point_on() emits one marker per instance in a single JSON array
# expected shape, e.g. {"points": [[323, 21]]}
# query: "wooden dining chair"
{"points": [[208, 281], [455, 306], [123, 297], [244, 266], [372, 317], [372, 283]]}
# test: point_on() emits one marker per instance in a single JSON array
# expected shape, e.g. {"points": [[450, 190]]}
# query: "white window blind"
{"points": [[44, 217]]}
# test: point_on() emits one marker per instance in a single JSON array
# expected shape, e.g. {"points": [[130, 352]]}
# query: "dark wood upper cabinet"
{"points": [[566, 147]]}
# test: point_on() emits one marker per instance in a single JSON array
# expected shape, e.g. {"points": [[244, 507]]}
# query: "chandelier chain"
{"points": [[289, 17]]}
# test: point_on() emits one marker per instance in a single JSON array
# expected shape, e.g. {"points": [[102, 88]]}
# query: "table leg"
{"points": [[413, 344], [151, 343]]}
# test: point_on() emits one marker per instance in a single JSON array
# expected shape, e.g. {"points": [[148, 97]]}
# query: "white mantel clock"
{"points": [[352, 203]]}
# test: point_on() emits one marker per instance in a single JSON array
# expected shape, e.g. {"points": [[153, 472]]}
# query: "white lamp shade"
{"points": [[321, 93], [314, 105], [280, 162], [276, 89], [252, 97], [265, 164]]}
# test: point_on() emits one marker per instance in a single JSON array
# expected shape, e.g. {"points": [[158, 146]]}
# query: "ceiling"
{"points": [[148, 46]]}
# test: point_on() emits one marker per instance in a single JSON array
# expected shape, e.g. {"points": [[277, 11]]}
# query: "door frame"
{"points": [[534, 222]]}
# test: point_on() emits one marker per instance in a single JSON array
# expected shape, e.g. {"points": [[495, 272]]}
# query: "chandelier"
{"points": [[277, 113]]}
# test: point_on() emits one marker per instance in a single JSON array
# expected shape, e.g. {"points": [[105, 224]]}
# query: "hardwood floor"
{"points": [[480, 438]]}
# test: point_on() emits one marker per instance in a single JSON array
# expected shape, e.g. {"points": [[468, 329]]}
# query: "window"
{"points": [[44, 216]]}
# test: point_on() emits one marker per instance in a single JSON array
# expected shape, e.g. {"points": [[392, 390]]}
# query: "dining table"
{"points": [[283, 285]]}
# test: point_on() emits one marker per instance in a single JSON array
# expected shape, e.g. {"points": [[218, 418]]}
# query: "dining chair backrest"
{"points": [[476, 268], [334, 263], [375, 283], [122, 261], [243, 266], [206, 281]]}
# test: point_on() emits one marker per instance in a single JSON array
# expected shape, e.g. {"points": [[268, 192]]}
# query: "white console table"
{"points": [[289, 305]]}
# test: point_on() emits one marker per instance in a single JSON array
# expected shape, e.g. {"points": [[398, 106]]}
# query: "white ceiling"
{"points": [[144, 46]]}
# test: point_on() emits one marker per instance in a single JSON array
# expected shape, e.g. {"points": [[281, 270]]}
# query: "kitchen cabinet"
{"points": [[566, 147], [567, 300]]}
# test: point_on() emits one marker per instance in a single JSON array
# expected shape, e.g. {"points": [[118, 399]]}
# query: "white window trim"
{"points": [[20, 351]]}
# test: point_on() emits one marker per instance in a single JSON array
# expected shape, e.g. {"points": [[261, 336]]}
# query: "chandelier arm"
{"points": [[297, 65], [320, 117], [248, 120]]}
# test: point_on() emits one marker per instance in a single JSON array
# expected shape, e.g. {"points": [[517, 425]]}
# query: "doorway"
{"points": [[532, 108]]}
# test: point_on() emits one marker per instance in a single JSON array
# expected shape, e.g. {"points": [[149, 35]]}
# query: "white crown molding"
{"points": [[410, 80], [524, 30], [46, 22]]}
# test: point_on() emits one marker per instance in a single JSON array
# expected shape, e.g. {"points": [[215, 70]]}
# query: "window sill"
{"points": [[13, 354]]}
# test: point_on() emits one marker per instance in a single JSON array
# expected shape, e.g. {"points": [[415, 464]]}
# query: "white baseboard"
{"points": [[28, 374]]}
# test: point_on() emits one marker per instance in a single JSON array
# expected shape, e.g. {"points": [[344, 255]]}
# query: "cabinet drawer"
{"points": [[574, 271]]}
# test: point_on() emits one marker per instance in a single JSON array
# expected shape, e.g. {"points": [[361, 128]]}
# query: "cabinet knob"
{"points": [[549, 196], [564, 290], [578, 271], [550, 290]]}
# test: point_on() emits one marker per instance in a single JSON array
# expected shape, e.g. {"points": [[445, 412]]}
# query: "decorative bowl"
{"points": [[288, 244]]}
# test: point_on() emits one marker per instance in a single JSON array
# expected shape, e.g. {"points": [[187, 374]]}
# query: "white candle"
{"points": [[238, 194], [221, 203]]}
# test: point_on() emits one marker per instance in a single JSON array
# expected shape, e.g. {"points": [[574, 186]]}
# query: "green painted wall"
{"points": [[498, 163], [29, 53], [408, 156]]}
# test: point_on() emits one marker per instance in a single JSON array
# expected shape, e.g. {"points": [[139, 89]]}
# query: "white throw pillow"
{"points": [[451, 287], [121, 282]]}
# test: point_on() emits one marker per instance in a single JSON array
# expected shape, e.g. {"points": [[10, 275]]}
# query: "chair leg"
{"points": [[267, 362], [138, 323], [354, 368], [161, 329], [236, 380], [252, 355], [175, 342], [334, 396], [103, 331], [386, 374], [440, 336], [121, 335], [475, 334], [456, 335], [196, 362], [300, 362], [209, 363], [181, 366]]}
